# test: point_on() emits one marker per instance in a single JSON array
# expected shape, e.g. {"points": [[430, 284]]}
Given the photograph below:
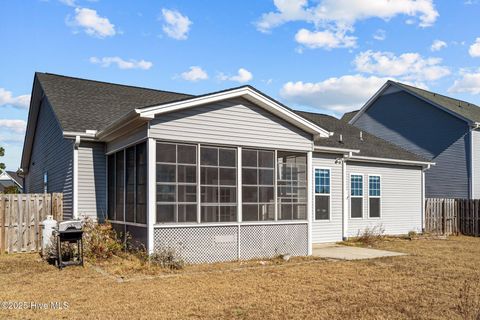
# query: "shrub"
{"points": [[468, 306], [412, 234], [167, 258], [370, 235], [100, 240]]}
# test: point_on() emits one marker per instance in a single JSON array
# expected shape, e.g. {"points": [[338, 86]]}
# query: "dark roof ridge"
{"points": [[113, 83]]}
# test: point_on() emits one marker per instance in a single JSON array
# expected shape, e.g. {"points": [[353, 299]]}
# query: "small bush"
{"points": [[370, 235], [468, 306], [167, 258], [100, 240], [412, 235]]}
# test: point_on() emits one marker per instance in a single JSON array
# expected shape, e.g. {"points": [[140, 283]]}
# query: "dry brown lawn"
{"points": [[423, 285]]}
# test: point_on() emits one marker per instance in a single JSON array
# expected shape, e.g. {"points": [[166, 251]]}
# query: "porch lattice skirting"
{"points": [[205, 244]]}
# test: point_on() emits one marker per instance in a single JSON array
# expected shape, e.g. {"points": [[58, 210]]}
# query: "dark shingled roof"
{"points": [[15, 177], [81, 104], [370, 146], [349, 115], [462, 108]]}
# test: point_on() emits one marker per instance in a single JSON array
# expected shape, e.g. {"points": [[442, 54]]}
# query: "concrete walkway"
{"points": [[335, 251]]}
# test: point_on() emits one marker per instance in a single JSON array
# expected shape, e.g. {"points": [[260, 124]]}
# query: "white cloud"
{"points": [[468, 83], [380, 35], [17, 126], [407, 66], [474, 50], [242, 76], [176, 25], [438, 45], [122, 64], [195, 74], [70, 3], [92, 23], [325, 39], [7, 99], [342, 94], [338, 17]]}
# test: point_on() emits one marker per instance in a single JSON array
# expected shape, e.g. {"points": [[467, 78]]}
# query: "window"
{"points": [[322, 194], [218, 182], [258, 172], [127, 185], [119, 185], [176, 182], [141, 183], [111, 187], [374, 194], [356, 196], [292, 186], [130, 184]]}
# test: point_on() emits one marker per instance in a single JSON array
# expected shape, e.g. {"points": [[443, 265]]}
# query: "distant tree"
{"points": [[2, 165]]}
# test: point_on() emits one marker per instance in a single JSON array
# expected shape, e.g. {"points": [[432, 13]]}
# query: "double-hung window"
{"points": [[322, 194], [356, 196], [374, 194]]}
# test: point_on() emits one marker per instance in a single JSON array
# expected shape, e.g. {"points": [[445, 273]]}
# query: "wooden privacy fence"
{"points": [[452, 216], [21, 217]]}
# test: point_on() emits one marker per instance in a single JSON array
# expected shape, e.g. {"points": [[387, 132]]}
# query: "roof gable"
{"points": [[463, 110]]}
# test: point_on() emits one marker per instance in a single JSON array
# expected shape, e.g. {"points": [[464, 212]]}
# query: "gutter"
{"points": [[340, 150], [394, 161]]}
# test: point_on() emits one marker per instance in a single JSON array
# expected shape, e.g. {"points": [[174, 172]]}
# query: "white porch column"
{"points": [[151, 196], [309, 200], [345, 199]]}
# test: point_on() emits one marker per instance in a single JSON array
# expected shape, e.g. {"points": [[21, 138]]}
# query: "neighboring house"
{"points": [[9, 179], [227, 175], [439, 128]]}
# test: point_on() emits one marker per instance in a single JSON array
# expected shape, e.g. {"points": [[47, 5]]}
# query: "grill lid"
{"points": [[70, 225]]}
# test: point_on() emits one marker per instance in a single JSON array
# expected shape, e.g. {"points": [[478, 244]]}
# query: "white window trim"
{"points": [[315, 194], [379, 197], [361, 197]]}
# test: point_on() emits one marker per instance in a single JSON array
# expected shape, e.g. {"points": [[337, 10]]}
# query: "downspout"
{"points": [[309, 202], [76, 145], [345, 196], [475, 126]]}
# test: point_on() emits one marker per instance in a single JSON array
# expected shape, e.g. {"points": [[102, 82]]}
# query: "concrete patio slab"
{"points": [[335, 251]]}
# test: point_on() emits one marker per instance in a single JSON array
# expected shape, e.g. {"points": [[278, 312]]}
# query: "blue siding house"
{"points": [[439, 128]]}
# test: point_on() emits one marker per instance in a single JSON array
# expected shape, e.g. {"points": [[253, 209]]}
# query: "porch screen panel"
{"points": [[258, 172], [119, 185], [292, 186], [176, 182], [218, 172], [141, 183], [111, 187], [130, 185]]}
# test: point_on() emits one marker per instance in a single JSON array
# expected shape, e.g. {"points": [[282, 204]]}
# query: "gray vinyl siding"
{"points": [[92, 180], [428, 131], [127, 139], [53, 154], [230, 122], [329, 230], [476, 163], [401, 198]]}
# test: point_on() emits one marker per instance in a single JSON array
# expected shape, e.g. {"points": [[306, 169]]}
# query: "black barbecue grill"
{"points": [[69, 232]]}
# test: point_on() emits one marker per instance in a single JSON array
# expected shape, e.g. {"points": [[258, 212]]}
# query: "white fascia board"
{"points": [[244, 92], [389, 160], [333, 149]]}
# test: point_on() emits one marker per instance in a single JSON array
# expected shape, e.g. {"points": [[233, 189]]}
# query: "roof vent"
{"points": [[340, 139], [361, 135]]}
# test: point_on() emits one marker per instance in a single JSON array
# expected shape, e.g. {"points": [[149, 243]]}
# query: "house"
{"points": [[438, 128], [222, 176], [10, 179]]}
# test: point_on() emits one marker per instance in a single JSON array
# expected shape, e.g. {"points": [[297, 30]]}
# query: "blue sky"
{"points": [[326, 56]]}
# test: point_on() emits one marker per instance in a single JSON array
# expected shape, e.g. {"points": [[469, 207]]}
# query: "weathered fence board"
{"points": [[452, 216], [21, 217]]}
